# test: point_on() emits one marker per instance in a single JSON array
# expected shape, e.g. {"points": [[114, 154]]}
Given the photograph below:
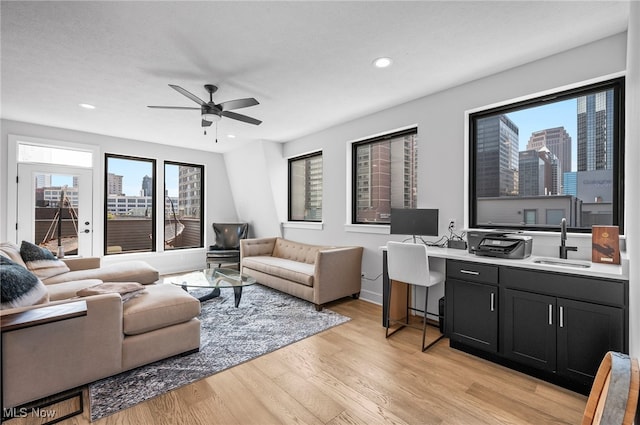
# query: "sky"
{"points": [[558, 114], [133, 171]]}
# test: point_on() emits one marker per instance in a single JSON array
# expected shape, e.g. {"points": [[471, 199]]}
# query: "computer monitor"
{"points": [[414, 222]]}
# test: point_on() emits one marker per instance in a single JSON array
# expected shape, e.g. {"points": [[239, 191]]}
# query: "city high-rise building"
{"points": [[306, 183], [43, 180], [539, 173], [376, 163], [147, 186], [114, 184], [189, 191], [530, 178], [595, 131], [497, 157], [558, 141]]}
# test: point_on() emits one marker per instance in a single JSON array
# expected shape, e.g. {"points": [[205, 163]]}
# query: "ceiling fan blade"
{"points": [[240, 117], [174, 107], [238, 103], [188, 94], [206, 123]]}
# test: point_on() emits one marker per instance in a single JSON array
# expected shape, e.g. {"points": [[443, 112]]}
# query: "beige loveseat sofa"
{"points": [[113, 336], [315, 273]]}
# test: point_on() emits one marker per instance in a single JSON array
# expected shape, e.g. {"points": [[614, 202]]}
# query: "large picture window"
{"points": [[183, 200], [305, 188], [130, 217], [384, 176], [560, 155]]}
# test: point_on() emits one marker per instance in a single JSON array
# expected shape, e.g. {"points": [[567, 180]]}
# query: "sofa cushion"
{"points": [[41, 261], [296, 251], [19, 287], [12, 251], [129, 271], [287, 269], [66, 290], [159, 306], [127, 290]]}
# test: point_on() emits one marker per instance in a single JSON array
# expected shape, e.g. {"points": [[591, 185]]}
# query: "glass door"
{"points": [[55, 208]]}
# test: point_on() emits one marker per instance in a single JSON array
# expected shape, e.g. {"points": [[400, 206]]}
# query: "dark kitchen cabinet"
{"points": [[557, 326], [529, 329], [566, 326], [472, 305]]}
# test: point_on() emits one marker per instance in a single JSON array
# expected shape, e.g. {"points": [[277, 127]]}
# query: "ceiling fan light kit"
{"points": [[212, 112]]}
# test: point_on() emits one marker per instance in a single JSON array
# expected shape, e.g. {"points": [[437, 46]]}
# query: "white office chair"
{"points": [[409, 263]]}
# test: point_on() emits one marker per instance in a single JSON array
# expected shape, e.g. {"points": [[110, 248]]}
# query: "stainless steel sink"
{"points": [[563, 263]]}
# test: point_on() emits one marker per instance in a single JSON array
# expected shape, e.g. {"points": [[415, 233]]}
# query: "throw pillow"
{"points": [[127, 290], [20, 287], [41, 261]]}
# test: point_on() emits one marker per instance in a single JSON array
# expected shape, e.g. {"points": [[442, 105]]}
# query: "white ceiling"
{"points": [[307, 63]]}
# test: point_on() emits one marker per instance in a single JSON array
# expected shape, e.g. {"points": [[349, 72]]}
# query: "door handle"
{"points": [[493, 301], [469, 272], [551, 314], [561, 317]]}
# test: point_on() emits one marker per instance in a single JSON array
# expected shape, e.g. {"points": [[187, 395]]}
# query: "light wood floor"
{"points": [[351, 374]]}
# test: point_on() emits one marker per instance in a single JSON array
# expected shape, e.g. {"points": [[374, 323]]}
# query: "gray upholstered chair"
{"points": [[226, 249]]}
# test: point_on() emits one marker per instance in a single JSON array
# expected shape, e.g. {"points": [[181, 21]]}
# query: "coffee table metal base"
{"points": [[237, 294]]}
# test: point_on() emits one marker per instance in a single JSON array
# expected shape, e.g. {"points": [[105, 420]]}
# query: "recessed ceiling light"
{"points": [[231, 136], [86, 106], [382, 62]]}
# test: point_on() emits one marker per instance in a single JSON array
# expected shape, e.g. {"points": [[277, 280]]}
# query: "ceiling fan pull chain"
{"points": [[216, 132]]}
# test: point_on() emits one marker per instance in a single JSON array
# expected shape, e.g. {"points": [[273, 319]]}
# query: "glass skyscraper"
{"points": [[497, 157], [595, 131]]}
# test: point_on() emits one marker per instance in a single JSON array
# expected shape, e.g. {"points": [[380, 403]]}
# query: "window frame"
{"points": [[413, 130], [618, 86], [202, 201], [290, 186], [154, 236]]}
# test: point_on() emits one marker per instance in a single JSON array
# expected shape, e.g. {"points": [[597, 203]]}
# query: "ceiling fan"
{"points": [[212, 112]]}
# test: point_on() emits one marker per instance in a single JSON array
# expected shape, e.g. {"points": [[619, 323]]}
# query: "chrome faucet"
{"points": [[563, 240]]}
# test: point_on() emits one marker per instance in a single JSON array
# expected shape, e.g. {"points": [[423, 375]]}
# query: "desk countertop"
{"points": [[607, 271]]}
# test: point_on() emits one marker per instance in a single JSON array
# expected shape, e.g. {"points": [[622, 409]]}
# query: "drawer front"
{"points": [[472, 272], [600, 291]]}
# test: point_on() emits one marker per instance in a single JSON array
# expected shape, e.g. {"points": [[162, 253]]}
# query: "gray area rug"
{"points": [[264, 321]]}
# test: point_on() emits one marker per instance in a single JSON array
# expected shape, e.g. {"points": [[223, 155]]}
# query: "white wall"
{"points": [[632, 174], [218, 199], [255, 174], [440, 118]]}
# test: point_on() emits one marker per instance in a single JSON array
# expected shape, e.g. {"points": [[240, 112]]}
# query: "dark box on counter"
{"points": [[605, 244]]}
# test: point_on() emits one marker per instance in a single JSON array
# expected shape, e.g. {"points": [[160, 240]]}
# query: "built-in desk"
{"points": [[551, 321]]}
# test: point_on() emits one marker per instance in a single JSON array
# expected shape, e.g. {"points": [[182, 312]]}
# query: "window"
{"points": [[384, 176], [183, 200], [54, 155], [305, 188], [562, 154], [130, 205], [530, 216]]}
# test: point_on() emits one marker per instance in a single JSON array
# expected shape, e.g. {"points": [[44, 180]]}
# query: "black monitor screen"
{"points": [[417, 222]]}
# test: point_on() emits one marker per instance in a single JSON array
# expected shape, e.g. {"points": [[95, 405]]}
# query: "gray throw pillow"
{"points": [[20, 287], [41, 261]]}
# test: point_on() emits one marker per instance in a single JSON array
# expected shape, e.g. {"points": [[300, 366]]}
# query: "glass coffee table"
{"points": [[215, 279]]}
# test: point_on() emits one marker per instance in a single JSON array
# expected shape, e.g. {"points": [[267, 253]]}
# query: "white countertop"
{"points": [[607, 271]]}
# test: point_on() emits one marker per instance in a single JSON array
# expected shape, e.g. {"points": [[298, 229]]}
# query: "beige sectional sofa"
{"points": [[113, 336], [315, 273]]}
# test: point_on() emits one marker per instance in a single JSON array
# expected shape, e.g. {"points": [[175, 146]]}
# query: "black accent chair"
{"points": [[227, 246]]}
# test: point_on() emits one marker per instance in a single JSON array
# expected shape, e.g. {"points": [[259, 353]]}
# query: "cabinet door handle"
{"points": [[493, 301], [561, 317], [551, 314], [469, 272]]}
